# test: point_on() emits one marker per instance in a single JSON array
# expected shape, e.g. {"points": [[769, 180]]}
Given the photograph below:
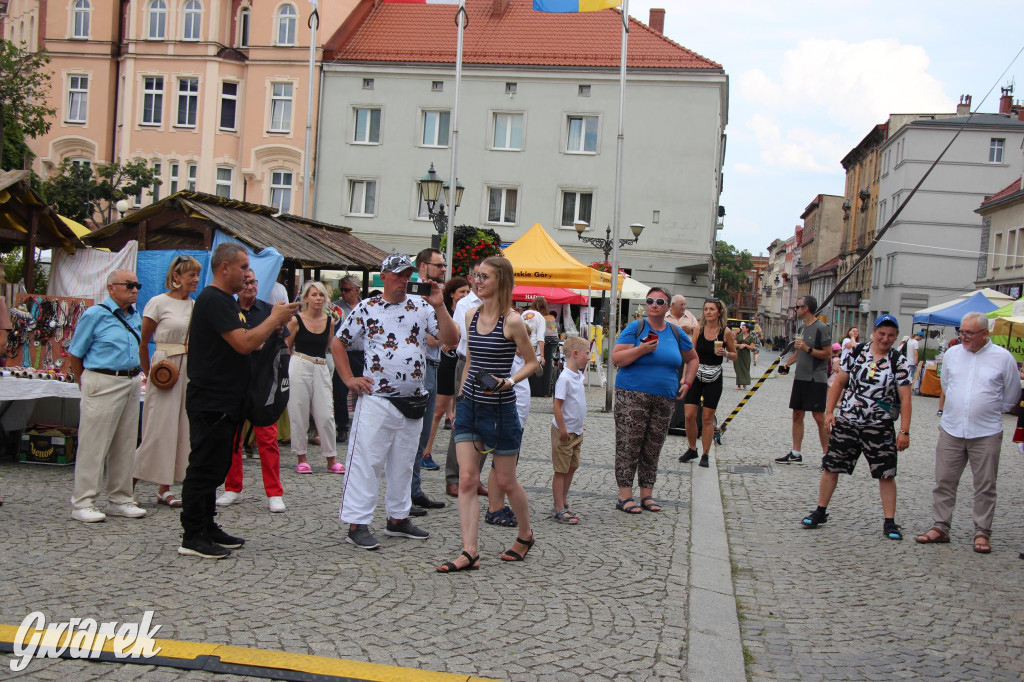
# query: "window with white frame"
{"points": [[228, 105], [193, 20], [362, 197], [172, 177], [188, 101], [152, 100], [501, 205], [995, 150], [158, 170], [243, 27], [582, 136], [81, 161], [367, 126], [421, 211], [286, 22], [157, 20], [224, 180], [82, 13], [281, 190], [436, 125], [1011, 247], [508, 131], [78, 98], [281, 107], [576, 206], [193, 175]]}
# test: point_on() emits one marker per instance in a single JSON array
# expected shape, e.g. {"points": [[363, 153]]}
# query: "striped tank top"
{"points": [[493, 354]]}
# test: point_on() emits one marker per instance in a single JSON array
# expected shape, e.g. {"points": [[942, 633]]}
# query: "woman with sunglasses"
{"points": [[715, 344], [162, 456], [486, 421], [648, 354]]}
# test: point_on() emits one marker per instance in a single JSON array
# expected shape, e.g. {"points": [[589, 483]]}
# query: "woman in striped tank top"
{"points": [[486, 421]]}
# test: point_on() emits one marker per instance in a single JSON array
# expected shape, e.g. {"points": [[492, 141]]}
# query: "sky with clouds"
{"points": [[808, 80]]}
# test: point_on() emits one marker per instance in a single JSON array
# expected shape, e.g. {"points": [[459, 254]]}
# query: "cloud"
{"points": [[797, 148], [755, 85]]}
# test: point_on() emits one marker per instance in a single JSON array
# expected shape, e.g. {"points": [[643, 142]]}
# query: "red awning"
{"points": [[525, 292]]}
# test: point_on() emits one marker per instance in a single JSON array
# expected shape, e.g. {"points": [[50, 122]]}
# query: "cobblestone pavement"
{"points": [[844, 602], [604, 600]]}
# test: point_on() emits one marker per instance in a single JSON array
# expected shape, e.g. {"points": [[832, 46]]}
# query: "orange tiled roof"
{"points": [[1014, 187], [427, 34]]}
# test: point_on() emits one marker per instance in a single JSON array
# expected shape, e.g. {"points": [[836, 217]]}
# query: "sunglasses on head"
{"points": [[656, 301]]}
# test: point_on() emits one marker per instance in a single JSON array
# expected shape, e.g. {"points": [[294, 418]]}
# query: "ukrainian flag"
{"points": [[563, 6]]}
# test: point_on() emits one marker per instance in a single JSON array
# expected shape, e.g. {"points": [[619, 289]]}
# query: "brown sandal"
{"points": [[929, 539], [982, 545]]}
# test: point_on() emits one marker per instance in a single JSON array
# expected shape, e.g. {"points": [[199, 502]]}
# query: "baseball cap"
{"points": [[836, 346], [396, 262], [918, 333], [886, 319]]}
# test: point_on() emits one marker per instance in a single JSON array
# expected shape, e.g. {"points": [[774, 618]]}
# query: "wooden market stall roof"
{"points": [[25, 217], [187, 220]]}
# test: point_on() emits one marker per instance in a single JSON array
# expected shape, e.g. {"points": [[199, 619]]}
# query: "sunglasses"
{"points": [[128, 285], [656, 301]]}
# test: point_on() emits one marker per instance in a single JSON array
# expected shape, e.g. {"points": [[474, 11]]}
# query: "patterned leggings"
{"points": [[641, 425]]}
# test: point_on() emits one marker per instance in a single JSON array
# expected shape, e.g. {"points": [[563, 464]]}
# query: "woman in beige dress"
{"points": [[163, 455]]}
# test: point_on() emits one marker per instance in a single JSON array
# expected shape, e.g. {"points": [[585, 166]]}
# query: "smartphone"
{"points": [[418, 288], [486, 381], [651, 337]]}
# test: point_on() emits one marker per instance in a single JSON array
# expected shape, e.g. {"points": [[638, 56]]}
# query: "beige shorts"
{"points": [[565, 455]]}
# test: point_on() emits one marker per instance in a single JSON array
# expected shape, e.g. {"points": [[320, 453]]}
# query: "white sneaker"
{"points": [[128, 509], [228, 498], [276, 504], [88, 515]]}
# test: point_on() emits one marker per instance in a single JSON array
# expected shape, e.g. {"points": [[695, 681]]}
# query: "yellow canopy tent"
{"points": [[1008, 332], [539, 260]]}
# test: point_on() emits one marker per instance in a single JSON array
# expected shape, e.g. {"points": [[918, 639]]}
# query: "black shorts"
{"points": [[711, 393], [808, 396], [877, 442]]}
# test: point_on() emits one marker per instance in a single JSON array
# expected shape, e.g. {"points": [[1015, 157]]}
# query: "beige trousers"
{"points": [[108, 431], [952, 455]]}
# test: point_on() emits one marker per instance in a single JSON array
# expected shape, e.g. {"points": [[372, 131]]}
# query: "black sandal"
{"points": [[649, 504], [511, 555], [621, 506], [450, 567]]}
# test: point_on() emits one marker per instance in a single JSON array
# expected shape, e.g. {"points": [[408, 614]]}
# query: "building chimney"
{"points": [[964, 107], [657, 21], [498, 7]]}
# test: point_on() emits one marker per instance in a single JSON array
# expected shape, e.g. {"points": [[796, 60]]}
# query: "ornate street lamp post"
{"points": [[431, 185]]}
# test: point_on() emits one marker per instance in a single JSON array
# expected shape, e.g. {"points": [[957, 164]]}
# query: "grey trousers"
{"points": [[951, 457], [451, 462]]}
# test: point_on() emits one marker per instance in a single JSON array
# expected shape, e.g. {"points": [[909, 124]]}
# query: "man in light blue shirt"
{"points": [[104, 357]]}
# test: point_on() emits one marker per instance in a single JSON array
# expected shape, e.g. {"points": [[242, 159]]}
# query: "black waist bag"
{"points": [[413, 407]]}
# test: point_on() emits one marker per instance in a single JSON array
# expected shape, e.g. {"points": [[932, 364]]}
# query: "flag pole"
{"points": [[462, 20], [613, 317], [307, 161]]}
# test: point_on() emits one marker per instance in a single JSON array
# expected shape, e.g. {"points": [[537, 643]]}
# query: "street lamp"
{"points": [[122, 206], [431, 185], [606, 243]]}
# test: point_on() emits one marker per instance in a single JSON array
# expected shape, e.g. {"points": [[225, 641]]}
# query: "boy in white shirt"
{"points": [[570, 409]]}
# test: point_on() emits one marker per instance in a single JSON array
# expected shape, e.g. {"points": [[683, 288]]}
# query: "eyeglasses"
{"points": [[346, 290], [970, 335], [656, 301], [481, 276], [250, 282], [128, 285], [442, 264]]}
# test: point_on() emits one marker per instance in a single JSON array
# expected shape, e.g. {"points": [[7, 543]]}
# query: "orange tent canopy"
{"points": [[538, 260]]}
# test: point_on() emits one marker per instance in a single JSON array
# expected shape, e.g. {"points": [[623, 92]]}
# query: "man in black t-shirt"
{"points": [[218, 376]]}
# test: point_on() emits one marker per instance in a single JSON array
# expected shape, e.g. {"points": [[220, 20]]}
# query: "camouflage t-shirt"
{"points": [[872, 385]]}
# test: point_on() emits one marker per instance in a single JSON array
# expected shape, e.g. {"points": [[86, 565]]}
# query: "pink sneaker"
{"points": [[336, 468]]}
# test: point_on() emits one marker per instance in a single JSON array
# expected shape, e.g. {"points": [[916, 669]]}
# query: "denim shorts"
{"points": [[496, 426]]}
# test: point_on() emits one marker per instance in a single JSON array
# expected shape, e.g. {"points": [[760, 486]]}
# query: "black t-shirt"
{"points": [[218, 375]]}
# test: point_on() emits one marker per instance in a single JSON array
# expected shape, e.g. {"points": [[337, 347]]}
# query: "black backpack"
{"points": [[268, 383]]}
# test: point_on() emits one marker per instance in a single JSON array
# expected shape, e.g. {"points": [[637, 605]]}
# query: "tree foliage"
{"points": [[24, 84], [89, 195], [731, 267]]}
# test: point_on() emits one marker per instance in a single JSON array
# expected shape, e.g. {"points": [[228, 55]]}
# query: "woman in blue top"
{"points": [[648, 353]]}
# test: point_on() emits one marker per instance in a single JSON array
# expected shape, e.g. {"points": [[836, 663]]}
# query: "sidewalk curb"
{"points": [[715, 647]]}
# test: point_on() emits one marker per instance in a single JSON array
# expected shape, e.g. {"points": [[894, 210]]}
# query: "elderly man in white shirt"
{"points": [[981, 382]]}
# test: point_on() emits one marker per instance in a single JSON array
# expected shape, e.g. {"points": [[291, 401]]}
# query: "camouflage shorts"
{"points": [[848, 440]]}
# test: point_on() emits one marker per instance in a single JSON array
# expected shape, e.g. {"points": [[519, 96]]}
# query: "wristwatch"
{"points": [[905, 433], [511, 382]]}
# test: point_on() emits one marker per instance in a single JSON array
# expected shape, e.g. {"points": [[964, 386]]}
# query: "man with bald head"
{"points": [[680, 316], [104, 357]]}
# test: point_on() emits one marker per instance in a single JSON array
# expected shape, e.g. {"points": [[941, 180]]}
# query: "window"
{"points": [[188, 101], [437, 86], [576, 206], [508, 131], [286, 20], [152, 100], [501, 205], [997, 253], [224, 175], [582, 134], [173, 177], [281, 190], [193, 173], [436, 125], [584, 91], [511, 88], [422, 212], [995, 150], [228, 105], [81, 162], [367, 126], [1011, 247], [362, 197], [243, 27], [367, 84], [281, 107], [193, 20], [82, 12], [157, 20], [78, 98]]}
